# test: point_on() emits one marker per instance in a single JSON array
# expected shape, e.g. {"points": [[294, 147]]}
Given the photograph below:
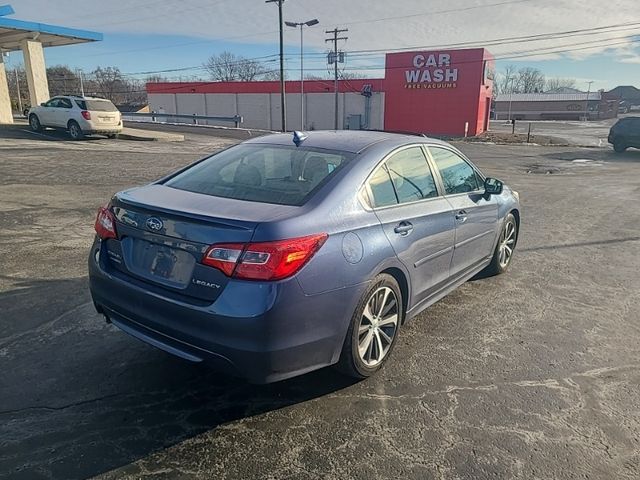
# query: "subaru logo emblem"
{"points": [[154, 224]]}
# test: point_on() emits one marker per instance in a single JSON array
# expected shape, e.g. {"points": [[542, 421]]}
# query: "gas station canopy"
{"points": [[13, 32], [32, 38]]}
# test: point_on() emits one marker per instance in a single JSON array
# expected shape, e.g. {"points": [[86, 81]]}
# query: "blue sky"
{"points": [[149, 35]]}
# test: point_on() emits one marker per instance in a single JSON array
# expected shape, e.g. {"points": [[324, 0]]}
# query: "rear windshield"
{"points": [[262, 173], [97, 105]]}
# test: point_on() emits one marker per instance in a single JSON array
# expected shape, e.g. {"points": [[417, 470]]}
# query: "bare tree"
{"points": [[559, 83], [109, 83], [229, 67], [530, 80], [506, 80], [62, 80], [352, 75], [272, 75], [156, 79], [21, 82], [249, 70]]}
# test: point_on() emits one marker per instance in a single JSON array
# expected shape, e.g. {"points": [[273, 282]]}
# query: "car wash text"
{"points": [[432, 71]]}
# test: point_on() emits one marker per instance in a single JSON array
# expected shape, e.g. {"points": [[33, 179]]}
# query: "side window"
{"points": [[411, 176], [382, 188], [457, 175], [52, 103], [64, 103]]}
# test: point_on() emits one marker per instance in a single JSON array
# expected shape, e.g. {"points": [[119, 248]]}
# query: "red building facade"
{"points": [[443, 92]]}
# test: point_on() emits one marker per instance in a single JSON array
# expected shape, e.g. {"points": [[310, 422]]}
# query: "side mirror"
{"points": [[43, 104], [492, 186]]}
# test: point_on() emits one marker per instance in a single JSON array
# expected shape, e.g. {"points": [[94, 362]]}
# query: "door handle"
{"points": [[461, 216], [403, 228]]}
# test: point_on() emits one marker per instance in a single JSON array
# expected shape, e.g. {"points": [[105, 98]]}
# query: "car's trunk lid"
{"points": [[164, 233]]}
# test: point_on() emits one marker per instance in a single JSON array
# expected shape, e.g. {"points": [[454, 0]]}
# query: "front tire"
{"points": [[34, 123], [505, 248], [373, 330], [619, 147], [75, 132]]}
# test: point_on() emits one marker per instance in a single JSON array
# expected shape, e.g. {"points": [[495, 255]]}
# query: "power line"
{"points": [[382, 19]]}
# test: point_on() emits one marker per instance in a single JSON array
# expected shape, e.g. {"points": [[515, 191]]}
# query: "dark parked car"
{"points": [[625, 133], [277, 257]]}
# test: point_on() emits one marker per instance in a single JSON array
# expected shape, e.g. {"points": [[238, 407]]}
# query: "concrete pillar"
{"points": [[36, 71], [6, 116]]}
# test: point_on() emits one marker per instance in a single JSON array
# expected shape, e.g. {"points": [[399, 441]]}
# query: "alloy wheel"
{"points": [[378, 326], [74, 131], [507, 243]]}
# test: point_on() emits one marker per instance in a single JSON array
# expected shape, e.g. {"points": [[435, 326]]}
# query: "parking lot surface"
{"points": [[532, 374], [587, 134]]}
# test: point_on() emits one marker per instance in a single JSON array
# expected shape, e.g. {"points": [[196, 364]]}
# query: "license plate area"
{"points": [[160, 263]]}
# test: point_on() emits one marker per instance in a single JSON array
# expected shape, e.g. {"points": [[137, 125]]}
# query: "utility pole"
{"points": [[80, 73], [586, 102], [283, 102], [334, 56], [18, 88]]}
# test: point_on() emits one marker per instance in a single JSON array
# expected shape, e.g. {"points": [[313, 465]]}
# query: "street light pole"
{"points": [[283, 101], [510, 98], [309, 23]]}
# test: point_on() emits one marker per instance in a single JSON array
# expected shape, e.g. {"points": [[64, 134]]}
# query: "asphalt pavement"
{"points": [[532, 374]]}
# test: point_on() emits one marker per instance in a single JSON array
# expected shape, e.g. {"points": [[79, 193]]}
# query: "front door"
{"points": [[62, 112], [475, 215], [416, 220], [47, 112]]}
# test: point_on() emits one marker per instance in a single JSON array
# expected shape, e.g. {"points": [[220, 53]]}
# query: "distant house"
{"points": [[556, 106], [627, 94]]}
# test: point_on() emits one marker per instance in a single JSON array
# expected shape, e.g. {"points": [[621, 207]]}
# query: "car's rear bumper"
{"points": [[263, 332]]}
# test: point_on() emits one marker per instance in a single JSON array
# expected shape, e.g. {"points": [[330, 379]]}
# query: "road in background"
{"points": [[532, 374]]}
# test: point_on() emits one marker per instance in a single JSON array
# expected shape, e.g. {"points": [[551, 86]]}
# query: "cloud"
{"points": [[372, 24]]}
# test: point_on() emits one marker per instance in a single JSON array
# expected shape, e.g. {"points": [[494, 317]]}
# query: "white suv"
{"points": [[78, 115]]}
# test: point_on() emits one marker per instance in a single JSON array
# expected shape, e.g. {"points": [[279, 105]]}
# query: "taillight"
{"points": [[86, 115], [105, 224], [264, 260]]}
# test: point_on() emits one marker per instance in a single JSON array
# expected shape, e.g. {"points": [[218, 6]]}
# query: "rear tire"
{"points": [[34, 123], [75, 132], [619, 147], [505, 248], [373, 330]]}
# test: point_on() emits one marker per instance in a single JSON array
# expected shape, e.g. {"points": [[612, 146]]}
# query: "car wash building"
{"points": [[443, 92]]}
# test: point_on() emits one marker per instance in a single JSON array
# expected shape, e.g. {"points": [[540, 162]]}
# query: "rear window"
{"points": [[97, 105], [262, 173]]}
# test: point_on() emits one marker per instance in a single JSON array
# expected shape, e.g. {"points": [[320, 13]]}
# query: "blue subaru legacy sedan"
{"points": [[288, 253]]}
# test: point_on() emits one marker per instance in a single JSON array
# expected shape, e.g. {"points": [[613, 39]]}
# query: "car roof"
{"points": [[353, 141], [80, 97]]}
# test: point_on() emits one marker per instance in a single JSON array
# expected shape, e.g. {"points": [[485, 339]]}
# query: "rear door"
{"points": [[416, 219], [475, 216]]}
